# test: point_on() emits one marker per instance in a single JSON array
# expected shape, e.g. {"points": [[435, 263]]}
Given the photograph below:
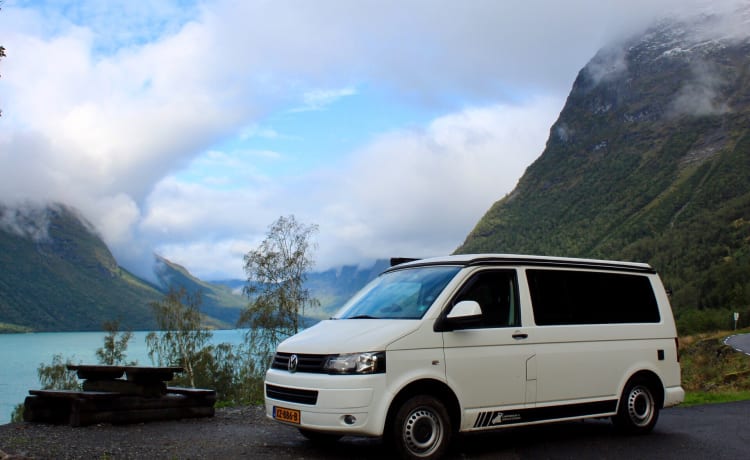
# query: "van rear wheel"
{"points": [[421, 428], [638, 411]]}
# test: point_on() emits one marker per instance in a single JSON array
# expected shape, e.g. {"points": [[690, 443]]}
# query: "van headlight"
{"points": [[356, 363]]}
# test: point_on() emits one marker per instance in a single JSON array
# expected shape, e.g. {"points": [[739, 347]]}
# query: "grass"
{"points": [[713, 372], [696, 398]]}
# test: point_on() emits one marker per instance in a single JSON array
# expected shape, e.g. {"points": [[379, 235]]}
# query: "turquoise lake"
{"points": [[21, 355]]}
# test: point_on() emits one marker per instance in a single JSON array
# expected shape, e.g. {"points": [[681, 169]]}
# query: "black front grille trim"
{"points": [[307, 363], [292, 394]]}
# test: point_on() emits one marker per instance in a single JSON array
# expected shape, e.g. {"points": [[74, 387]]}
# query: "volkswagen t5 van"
{"points": [[480, 342]]}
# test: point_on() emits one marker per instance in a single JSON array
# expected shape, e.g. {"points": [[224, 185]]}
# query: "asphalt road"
{"points": [[740, 342], [719, 431]]}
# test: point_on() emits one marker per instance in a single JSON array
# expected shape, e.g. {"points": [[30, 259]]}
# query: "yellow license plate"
{"points": [[286, 415]]}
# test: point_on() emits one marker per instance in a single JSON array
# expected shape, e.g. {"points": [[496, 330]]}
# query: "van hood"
{"points": [[348, 336]]}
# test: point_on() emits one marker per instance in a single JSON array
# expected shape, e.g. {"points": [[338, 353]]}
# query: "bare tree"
{"points": [[276, 273]]}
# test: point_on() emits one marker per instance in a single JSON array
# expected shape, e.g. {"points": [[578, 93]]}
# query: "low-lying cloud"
{"points": [[702, 94]]}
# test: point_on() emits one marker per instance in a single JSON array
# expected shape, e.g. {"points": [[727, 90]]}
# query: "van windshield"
{"points": [[400, 294]]}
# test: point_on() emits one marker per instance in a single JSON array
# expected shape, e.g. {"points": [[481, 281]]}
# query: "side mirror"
{"points": [[464, 315], [464, 309]]}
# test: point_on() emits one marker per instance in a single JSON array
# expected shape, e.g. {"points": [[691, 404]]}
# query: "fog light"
{"points": [[350, 419]]}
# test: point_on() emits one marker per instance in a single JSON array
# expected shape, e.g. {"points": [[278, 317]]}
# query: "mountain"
{"points": [[219, 302], [335, 286], [649, 160], [332, 287], [58, 275]]}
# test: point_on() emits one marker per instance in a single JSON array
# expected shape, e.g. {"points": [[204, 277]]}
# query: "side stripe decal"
{"points": [[511, 417]]}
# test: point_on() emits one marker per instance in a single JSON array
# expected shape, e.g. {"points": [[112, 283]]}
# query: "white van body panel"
{"points": [[487, 368], [348, 395], [350, 336], [415, 354], [526, 373]]}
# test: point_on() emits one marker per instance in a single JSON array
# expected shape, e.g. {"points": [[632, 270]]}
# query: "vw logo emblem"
{"points": [[293, 361]]}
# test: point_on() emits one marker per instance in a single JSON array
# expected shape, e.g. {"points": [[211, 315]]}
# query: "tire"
{"points": [[639, 410], [421, 428], [318, 437]]}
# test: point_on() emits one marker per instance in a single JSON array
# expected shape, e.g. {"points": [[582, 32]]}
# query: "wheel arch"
{"points": [[653, 381], [431, 387]]}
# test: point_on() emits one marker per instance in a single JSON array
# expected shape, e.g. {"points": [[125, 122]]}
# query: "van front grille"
{"points": [[306, 363], [292, 394]]}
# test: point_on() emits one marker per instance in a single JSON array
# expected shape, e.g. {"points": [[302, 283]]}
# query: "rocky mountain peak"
{"points": [[649, 160]]}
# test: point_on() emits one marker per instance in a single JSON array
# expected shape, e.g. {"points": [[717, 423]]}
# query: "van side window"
{"points": [[578, 297], [495, 292]]}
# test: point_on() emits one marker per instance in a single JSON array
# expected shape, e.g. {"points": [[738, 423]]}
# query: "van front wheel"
{"points": [[638, 409], [421, 428]]}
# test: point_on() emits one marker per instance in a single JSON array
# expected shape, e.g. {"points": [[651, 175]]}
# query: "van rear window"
{"points": [[579, 297]]}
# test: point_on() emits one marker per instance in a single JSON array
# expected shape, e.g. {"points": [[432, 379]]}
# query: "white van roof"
{"points": [[518, 259]]}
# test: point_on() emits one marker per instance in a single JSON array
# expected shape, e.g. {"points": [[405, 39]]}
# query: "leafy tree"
{"points": [[182, 338], [17, 415], [57, 376], [276, 272], [115, 345], [223, 368]]}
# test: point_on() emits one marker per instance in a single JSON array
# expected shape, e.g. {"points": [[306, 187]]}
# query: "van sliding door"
{"points": [[486, 359]]}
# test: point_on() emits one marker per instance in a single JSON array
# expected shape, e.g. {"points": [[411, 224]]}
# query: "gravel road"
{"points": [[716, 431], [231, 433]]}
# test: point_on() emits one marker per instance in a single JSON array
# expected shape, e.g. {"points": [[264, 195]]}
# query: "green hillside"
{"points": [[649, 160], [218, 301], [57, 275]]}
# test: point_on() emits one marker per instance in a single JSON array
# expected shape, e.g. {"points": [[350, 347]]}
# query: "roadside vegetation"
{"points": [[712, 371]]}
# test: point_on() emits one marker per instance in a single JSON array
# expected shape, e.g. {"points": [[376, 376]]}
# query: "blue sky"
{"points": [[187, 127]]}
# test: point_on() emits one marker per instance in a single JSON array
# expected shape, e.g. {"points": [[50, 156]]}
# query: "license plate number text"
{"points": [[286, 415]]}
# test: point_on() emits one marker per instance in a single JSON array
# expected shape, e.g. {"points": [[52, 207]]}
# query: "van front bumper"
{"points": [[345, 404]]}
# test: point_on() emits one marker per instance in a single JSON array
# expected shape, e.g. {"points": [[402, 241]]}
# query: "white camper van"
{"points": [[479, 342]]}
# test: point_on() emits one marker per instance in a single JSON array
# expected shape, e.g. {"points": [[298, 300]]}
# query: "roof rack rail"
{"points": [[401, 260]]}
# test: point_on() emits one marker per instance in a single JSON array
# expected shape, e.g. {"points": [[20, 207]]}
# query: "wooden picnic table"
{"points": [[139, 380], [143, 395], [132, 373]]}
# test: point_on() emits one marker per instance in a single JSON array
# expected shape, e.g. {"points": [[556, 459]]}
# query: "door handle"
{"points": [[520, 335]]}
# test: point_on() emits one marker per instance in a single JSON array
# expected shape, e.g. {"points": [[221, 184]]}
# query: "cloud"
{"points": [[129, 112], [319, 99], [25, 220], [411, 192], [702, 94], [419, 193]]}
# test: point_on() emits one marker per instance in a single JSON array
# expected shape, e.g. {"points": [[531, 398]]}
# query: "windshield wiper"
{"points": [[363, 317]]}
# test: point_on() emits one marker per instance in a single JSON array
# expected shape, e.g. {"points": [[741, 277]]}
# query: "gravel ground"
{"points": [[232, 433], [715, 431]]}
